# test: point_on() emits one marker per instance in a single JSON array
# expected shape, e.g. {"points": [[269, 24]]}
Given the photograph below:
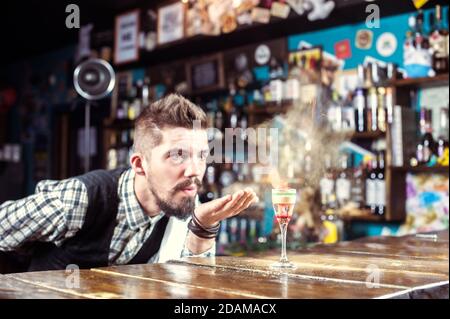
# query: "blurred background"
{"points": [[358, 91]]}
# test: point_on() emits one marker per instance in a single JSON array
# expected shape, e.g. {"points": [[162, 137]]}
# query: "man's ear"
{"points": [[137, 163]]}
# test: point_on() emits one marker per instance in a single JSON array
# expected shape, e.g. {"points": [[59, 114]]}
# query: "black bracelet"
{"points": [[213, 229], [199, 230]]}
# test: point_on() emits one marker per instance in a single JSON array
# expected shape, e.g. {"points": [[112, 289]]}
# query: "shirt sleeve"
{"points": [[54, 213], [187, 253], [209, 253]]}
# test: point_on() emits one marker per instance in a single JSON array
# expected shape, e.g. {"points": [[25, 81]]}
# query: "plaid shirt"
{"points": [[57, 210]]}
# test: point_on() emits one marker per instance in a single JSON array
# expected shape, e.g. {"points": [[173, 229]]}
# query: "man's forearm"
{"points": [[198, 245]]}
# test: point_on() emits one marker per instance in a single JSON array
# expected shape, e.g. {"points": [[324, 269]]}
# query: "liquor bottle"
{"points": [[211, 191], [442, 143], [233, 229], [234, 119], [219, 125], [326, 184], [243, 232], [253, 231], [348, 112], [224, 239], [389, 105], [145, 93], [359, 103], [372, 109], [122, 110], [247, 172], [227, 176], [333, 225], [357, 188], [243, 123], [380, 186], [426, 146], [292, 92], [237, 171], [381, 116], [361, 76], [343, 184], [371, 185], [438, 38], [112, 153], [335, 113]]}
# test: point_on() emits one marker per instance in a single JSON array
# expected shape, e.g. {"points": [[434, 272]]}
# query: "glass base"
{"points": [[283, 265]]}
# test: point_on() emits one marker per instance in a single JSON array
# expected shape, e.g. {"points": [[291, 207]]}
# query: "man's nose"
{"points": [[193, 168]]}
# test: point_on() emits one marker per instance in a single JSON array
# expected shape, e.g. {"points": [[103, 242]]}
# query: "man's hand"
{"points": [[211, 213]]}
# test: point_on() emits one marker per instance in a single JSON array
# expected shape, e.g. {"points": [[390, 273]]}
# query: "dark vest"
{"points": [[90, 246]]}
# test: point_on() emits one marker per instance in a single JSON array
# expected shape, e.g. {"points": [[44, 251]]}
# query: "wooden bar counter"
{"points": [[414, 266]]}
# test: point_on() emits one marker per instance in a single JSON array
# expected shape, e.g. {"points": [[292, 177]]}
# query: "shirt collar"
{"points": [[135, 215]]}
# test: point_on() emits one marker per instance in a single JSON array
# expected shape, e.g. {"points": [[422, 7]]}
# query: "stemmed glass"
{"points": [[283, 201]]}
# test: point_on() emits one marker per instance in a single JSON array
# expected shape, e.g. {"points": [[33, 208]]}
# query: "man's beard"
{"points": [[181, 210]]}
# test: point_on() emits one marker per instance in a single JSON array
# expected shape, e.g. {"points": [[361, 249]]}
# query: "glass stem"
{"points": [[283, 228]]}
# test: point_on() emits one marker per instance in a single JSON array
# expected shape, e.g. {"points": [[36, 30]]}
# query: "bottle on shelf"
{"points": [[359, 103], [243, 231], [335, 113], [426, 147], [380, 186], [219, 124], [343, 183], [333, 226], [292, 86], [227, 175], [389, 105], [357, 186], [372, 110], [112, 153], [382, 116], [145, 93], [211, 192], [326, 184], [122, 110], [439, 42], [442, 144], [371, 178], [224, 238]]}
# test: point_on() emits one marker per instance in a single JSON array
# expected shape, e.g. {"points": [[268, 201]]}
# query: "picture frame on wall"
{"points": [[205, 74], [171, 22], [126, 37]]}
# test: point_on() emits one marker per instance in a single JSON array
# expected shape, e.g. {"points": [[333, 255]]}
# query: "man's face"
{"points": [[175, 170]]}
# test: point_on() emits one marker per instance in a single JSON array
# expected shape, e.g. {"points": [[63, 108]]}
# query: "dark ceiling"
{"points": [[32, 27]]}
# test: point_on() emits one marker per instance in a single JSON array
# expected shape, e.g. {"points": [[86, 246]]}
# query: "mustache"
{"points": [[188, 183]]}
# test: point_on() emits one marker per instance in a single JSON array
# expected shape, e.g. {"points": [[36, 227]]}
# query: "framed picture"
{"points": [[205, 74], [308, 58], [309, 61], [126, 37], [171, 22]]}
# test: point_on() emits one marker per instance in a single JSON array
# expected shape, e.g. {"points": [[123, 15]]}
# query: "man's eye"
{"points": [[178, 156], [204, 155]]}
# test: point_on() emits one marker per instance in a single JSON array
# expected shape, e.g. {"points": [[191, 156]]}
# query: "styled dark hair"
{"points": [[171, 111]]}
